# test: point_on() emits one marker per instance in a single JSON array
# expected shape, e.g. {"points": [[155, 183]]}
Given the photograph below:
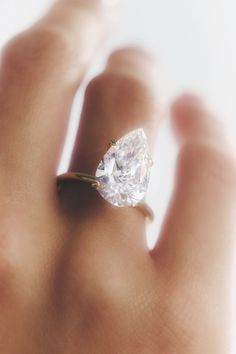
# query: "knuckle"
{"points": [[106, 85], [208, 158], [10, 52], [35, 47], [122, 94], [52, 40]]}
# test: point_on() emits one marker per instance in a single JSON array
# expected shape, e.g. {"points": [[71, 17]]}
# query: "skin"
{"points": [[75, 273]]}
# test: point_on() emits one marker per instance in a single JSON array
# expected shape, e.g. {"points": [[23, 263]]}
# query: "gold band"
{"points": [[94, 183], [82, 177]]}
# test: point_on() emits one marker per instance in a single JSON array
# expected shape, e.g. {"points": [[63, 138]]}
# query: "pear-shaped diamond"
{"points": [[124, 172]]}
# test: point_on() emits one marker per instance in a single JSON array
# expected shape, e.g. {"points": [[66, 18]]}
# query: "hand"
{"points": [[76, 276]]}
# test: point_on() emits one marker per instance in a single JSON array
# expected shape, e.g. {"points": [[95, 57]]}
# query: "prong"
{"points": [[96, 185], [112, 143]]}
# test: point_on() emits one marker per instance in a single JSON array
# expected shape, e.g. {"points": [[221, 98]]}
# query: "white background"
{"points": [[195, 43]]}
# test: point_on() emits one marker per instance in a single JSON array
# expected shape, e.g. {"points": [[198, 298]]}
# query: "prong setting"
{"points": [[124, 171], [96, 185], [112, 143]]}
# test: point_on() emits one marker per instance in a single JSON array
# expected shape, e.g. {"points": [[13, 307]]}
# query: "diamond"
{"points": [[124, 172]]}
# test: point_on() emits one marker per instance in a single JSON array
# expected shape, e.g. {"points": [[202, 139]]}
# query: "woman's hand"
{"points": [[75, 273]]}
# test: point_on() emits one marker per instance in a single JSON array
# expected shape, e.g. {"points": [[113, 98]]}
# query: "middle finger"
{"points": [[123, 98]]}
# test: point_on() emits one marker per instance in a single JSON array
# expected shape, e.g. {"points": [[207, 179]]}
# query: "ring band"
{"points": [[122, 176], [94, 183]]}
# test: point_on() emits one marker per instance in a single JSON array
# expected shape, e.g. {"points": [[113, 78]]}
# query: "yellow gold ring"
{"points": [[123, 175]]}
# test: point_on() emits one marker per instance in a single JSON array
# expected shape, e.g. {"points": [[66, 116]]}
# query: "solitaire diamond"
{"points": [[124, 172]]}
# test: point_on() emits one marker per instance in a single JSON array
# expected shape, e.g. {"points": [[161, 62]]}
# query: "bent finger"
{"points": [[199, 231], [41, 70]]}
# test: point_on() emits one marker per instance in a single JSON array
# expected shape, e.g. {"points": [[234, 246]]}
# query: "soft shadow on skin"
{"points": [[78, 199]]}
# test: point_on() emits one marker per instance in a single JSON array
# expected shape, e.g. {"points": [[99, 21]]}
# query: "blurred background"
{"points": [[195, 44]]}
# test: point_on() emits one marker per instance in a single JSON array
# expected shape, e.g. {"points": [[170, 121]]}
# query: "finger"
{"points": [[124, 97], [41, 70], [198, 236], [121, 99], [191, 118]]}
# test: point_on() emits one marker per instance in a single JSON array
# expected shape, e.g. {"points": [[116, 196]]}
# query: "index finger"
{"points": [[44, 66]]}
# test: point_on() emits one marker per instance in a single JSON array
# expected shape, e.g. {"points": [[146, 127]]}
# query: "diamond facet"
{"points": [[124, 172]]}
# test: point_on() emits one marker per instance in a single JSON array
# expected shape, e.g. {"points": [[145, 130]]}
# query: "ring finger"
{"points": [[123, 98]]}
